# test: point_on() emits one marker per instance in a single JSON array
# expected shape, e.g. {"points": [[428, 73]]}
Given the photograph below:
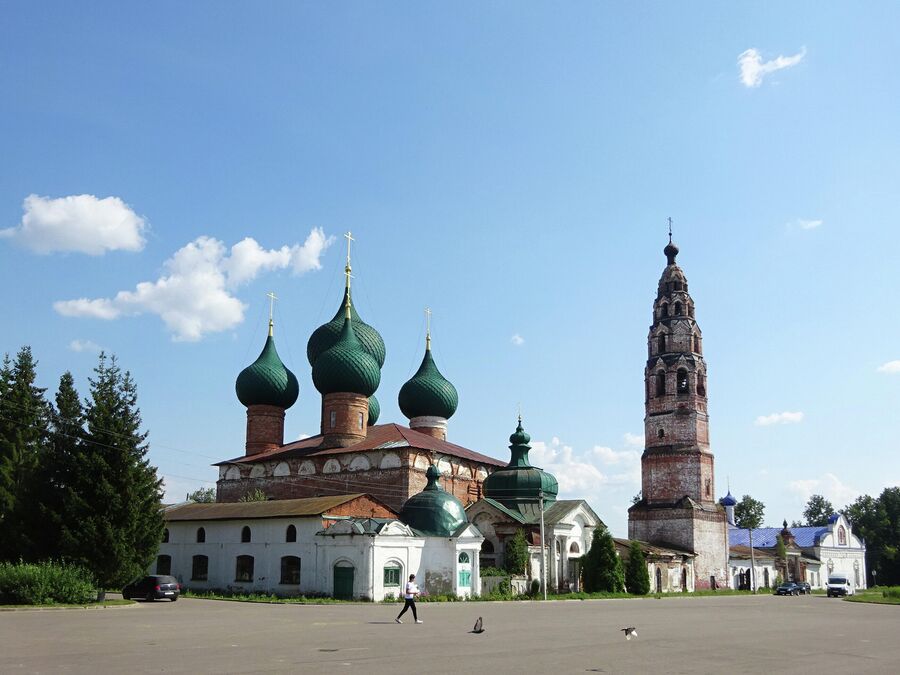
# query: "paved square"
{"points": [[675, 635]]}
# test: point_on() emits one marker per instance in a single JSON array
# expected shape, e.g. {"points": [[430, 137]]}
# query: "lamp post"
{"points": [[752, 564], [874, 578], [543, 552]]}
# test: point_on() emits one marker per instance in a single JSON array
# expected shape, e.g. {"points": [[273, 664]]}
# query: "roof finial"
{"points": [[519, 412], [427, 329], [670, 229], [347, 269], [671, 250], [272, 298]]}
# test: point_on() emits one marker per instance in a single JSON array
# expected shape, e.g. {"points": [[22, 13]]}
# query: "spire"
{"points": [[347, 269], [671, 250], [272, 298], [427, 329]]}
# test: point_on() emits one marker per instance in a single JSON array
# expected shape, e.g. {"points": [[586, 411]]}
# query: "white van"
{"points": [[839, 585]]}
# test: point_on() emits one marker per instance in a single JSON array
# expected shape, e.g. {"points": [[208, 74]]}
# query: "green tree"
{"points": [[637, 578], [515, 558], [817, 512], [256, 495], [114, 522], [877, 521], [602, 567], [748, 513], [24, 418], [202, 496]]}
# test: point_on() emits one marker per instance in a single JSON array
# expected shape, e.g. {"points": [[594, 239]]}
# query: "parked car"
{"points": [[153, 587], [838, 586], [805, 588], [788, 588]]}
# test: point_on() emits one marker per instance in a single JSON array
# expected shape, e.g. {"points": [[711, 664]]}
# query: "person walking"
{"points": [[409, 595]]}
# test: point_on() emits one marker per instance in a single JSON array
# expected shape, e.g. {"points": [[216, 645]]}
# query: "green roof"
{"points": [[346, 367], [520, 482], [433, 512], [326, 335], [374, 410], [267, 381], [428, 393]]}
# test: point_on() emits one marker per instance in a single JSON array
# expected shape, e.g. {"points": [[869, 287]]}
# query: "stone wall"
{"points": [[667, 476]]}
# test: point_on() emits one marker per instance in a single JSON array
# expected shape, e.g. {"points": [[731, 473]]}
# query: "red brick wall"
{"points": [[265, 428], [667, 476], [351, 413]]}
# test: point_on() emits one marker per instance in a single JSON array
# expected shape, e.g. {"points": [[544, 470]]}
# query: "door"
{"points": [[343, 583]]}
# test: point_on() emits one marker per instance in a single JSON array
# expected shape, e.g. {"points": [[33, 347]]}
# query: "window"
{"points": [[682, 381], [661, 433], [661, 343], [361, 422], [333, 418], [245, 535], [842, 536], [243, 568], [677, 309], [464, 557], [708, 487], [660, 383], [199, 568], [573, 548], [465, 578], [164, 564], [701, 385], [291, 535], [290, 570], [165, 536], [664, 310], [201, 535], [392, 574], [487, 546]]}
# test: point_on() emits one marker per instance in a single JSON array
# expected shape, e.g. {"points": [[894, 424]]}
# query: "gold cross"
{"points": [[349, 237], [427, 328], [272, 298]]}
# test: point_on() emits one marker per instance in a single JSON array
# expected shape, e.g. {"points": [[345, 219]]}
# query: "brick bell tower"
{"points": [[678, 507]]}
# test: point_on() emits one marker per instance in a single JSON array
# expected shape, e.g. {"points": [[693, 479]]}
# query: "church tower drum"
{"points": [[678, 507]]}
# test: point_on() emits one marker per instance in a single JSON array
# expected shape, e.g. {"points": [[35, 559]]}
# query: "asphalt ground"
{"points": [[727, 634]]}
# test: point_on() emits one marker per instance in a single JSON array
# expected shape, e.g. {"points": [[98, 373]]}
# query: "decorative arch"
{"points": [[332, 466], [360, 463], [842, 536], [391, 460], [444, 466], [307, 468], [258, 471], [421, 462], [282, 469], [463, 471], [574, 548], [232, 473], [481, 473]]}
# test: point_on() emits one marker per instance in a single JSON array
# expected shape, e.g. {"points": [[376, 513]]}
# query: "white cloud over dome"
{"points": [[754, 69], [77, 224]]}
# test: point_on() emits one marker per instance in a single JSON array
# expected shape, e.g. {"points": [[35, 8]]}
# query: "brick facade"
{"points": [[345, 418], [678, 506], [265, 428]]}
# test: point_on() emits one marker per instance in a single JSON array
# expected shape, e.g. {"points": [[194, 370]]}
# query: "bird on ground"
{"points": [[479, 626], [630, 632]]}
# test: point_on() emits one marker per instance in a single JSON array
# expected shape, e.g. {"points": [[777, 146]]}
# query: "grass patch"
{"points": [[45, 583], [268, 598], [878, 596]]}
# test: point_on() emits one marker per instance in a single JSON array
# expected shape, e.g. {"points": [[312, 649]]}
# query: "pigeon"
{"points": [[479, 626], [630, 632]]}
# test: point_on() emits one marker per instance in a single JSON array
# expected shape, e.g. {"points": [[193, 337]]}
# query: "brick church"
{"points": [[678, 508], [352, 453]]}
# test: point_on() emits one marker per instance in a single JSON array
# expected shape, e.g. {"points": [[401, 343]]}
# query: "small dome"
{"points": [[428, 393], [374, 410], [346, 367], [519, 481], [267, 381], [324, 337], [671, 251], [728, 500], [433, 511]]}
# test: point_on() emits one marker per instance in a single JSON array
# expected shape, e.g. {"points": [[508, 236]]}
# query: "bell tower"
{"points": [[678, 507]]}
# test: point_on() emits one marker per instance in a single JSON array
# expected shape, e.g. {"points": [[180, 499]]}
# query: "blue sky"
{"points": [[511, 166]]}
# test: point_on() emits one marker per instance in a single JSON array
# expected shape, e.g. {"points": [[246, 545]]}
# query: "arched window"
{"points": [[677, 309], [573, 548], [245, 535], [661, 343], [333, 418], [661, 433], [201, 535], [664, 310], [487, 546], [701, 384], [360, 421], [842, 536], [165, 536], [243, 568], [291, 535], [392, 574], [682, 381], [199, 568], [290, 570], [660, 383], [463, 557], [708, 487], [164, 564]]}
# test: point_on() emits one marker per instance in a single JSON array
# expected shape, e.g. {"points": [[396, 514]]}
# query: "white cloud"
{"points": [[754, 69], [85, 346], [779, 418], [517, 340], [634, 440], [804, 224], [892, 367], [78, 223], [194, 296], [828, 485]]}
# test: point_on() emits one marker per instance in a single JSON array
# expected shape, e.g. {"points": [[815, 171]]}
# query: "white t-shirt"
{"points": [[411, 590]]}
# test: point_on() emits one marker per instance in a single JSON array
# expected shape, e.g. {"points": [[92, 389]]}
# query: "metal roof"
{"points": [[276, 508], [764, 537]]}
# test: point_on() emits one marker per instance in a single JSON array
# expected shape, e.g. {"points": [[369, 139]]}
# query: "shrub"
{"points": [[535, 586], [892, 592], [493, 572], [45, 583], [516, 557]]}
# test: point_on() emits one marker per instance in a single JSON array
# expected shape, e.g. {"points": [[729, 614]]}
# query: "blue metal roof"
{"points": [[728, 500], [764, 537]]}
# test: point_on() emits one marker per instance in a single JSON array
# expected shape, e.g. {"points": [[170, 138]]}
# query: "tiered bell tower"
{"points": [[677, 468]]}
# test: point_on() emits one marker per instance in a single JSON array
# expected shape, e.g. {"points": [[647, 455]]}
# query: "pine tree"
{"points": [[113, 519], [24, 416], [515, 558], [637, 578], [602, 567]]}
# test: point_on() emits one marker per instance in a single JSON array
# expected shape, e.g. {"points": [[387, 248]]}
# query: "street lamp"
{"points": [[543, 552]]}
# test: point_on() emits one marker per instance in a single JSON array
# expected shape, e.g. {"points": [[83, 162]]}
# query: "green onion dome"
{"points": [[428, 393], [374, 410], [433, 511], [520, 481], [267, 381], [324, 337], [346, 367]]}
